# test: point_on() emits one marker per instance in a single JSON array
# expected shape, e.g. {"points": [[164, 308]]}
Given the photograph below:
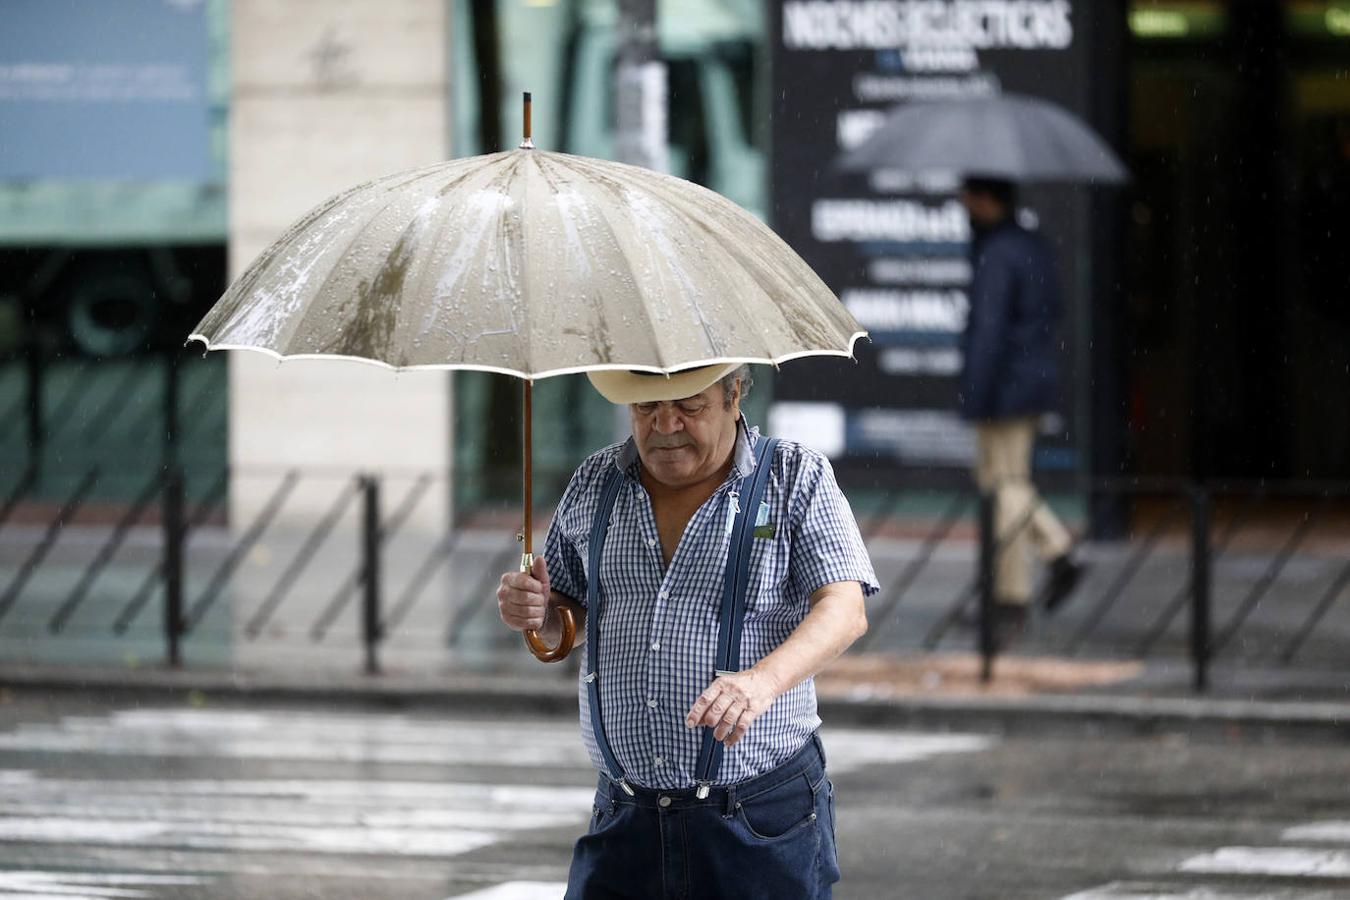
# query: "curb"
{"points": [[1228, 719]]}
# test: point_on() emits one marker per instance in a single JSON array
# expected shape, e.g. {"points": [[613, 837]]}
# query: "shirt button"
{"points": [[662, 595], [663, 800], [656, 645], [651, 703], [658, 761], [651, 542]]}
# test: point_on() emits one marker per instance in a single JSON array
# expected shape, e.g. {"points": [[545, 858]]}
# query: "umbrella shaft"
{"points": [[527, 452]]}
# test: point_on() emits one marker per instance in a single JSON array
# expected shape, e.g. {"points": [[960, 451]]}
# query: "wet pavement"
{"points": [[219, 800]]}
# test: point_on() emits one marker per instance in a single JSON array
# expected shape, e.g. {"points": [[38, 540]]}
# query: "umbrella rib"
{"points": [[600, 177], [264, 265], [762, 274], [442, 223], [652, 182], [445, 222], [328, 276], [1068, 127], [643, 300]]}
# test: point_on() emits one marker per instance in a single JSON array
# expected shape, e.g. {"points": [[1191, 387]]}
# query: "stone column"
{"points": [[327, 94]]}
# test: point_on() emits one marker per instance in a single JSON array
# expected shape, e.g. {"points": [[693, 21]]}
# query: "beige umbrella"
{"points": [[531, 264]]}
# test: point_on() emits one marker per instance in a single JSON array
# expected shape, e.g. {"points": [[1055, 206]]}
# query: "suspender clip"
{"points": [[626, 789], [720, 672], [589, 678], [704, 787]]}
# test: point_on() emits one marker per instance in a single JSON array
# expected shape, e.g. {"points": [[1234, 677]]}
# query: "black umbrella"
{"points": [[1009, 137]]}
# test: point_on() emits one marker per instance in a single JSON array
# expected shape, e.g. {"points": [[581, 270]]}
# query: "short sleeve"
{"points": [[826, 544], [566, 573]]}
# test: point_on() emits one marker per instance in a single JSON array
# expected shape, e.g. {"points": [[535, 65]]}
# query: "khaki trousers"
{"points": [[1003, 466]]}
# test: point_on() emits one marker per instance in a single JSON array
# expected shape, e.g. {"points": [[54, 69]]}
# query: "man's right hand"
{"points": [[522, 598]]}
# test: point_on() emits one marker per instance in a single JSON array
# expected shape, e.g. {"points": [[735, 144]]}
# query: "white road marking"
{"points": [[1331, 832], [1275, 861], [67, 886], [1134, 890], [1281, 862], [342, 821], [285, 814], [518, 890], [471, 794], [331, 817], [847, 751], [283, 735], [440, 842]]}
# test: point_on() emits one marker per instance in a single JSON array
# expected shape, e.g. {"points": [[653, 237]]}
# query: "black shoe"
{"points": [[1064, 577], [1010, 621]]}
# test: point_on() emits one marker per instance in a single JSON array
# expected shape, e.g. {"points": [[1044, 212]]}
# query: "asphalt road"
{"points": [[210, 802]]}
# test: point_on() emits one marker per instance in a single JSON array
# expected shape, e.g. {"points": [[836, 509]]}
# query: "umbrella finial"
{"points": [[527, 144]]}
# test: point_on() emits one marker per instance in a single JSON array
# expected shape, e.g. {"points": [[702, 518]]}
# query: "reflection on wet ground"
{"points": [[219, 801]]}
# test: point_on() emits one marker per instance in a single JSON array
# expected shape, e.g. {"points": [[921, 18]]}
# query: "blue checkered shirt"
{"points": [[658, 626]]}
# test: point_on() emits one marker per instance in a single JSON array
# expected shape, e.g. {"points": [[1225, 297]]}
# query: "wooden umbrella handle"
{"points": [[542, 651], [535, 642]]}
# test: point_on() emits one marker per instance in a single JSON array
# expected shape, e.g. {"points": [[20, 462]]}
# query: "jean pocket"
{"points": [[780, 812], [604, 813]]}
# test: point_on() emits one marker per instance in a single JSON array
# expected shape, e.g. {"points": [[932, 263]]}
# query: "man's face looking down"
{"points": [[683, 442]]}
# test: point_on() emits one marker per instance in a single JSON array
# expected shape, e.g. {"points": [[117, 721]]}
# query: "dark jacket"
{"points": [[1010, 341]]}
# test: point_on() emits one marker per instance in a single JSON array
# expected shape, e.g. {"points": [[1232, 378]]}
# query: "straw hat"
{"points": [[621, 386]]}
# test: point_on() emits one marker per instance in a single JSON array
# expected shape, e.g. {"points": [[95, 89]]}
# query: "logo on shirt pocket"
{"points": [[763, 527]]}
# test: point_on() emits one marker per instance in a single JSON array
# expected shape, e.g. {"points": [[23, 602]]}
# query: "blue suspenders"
{"points": [[734, 587], [599, 528]]}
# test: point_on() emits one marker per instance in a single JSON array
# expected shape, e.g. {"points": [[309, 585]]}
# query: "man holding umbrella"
{"points": [[1011, 377], [716, 570]]}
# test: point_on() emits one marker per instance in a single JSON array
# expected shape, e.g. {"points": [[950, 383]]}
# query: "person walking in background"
{"points": [[1010, 378]]}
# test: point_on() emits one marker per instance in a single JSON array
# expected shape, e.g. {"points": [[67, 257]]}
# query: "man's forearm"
{"points": [[837, 618]]}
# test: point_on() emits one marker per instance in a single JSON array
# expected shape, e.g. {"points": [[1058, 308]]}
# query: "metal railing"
{"points": [[1188, 513], [936, 579]]}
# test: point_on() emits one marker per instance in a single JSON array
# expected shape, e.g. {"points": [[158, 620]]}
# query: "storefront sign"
{"points": [[104, 90], [894, 246]]}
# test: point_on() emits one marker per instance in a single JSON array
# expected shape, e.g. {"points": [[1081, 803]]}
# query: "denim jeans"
{"points": [[771, 837]]}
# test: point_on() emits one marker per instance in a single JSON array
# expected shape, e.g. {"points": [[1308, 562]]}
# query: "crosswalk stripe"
{"points": [[23, 782], [1275, 861], [339, 819], [281, 735], [1331, 832], [1139, 890], [152, 832], [44, 885], [517, 890], [286, 814]]}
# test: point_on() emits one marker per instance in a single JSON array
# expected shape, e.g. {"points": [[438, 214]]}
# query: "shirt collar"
{"points": [[743, 455]]}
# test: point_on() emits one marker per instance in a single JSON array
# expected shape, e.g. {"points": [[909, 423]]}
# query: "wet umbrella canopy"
{"points": [[1009, 137], [531, 264]]}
